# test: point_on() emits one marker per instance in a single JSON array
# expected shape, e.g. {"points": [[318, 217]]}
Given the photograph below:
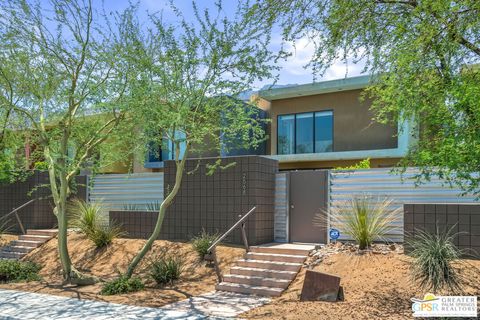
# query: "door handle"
{"points": [[292, 206]]}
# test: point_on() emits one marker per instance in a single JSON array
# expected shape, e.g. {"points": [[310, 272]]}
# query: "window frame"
{"points": [[314, 129]]}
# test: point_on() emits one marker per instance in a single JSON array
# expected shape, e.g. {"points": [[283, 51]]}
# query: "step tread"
{"points": [[10, 253], [280, 263], [28, 241], [255, 278], [294, 251], [264, 270], [276, 255], [251, 287], [20, 247], [36, 236]]}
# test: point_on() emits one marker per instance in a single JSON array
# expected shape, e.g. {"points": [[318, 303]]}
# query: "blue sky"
{"points": [[293, 70]]}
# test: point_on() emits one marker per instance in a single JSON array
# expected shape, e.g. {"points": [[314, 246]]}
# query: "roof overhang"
{"points": [[310, 89]]}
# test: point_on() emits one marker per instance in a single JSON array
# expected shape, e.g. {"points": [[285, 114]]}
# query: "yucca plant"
{"points": [[166, 269], [87, 218], [84, 215], [153, 206], [434, 255], [103, 234], [365, 219]]}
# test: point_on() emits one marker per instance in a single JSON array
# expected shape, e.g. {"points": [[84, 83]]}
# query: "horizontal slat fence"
{"points": [[381, 183], [137, 191], [281, 207]]}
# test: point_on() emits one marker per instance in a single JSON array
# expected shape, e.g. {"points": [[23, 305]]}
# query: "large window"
{"points": [[310, 132], [158, 152], [286, 134]]}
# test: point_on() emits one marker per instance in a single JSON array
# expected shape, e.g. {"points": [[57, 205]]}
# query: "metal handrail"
{"points": [[211, 250], [15, 211]]}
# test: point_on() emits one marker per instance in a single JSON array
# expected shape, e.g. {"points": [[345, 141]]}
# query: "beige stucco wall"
{"points": [[353, 126], [374, 163]]}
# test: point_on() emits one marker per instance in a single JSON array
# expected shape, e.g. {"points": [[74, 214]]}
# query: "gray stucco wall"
{"points": [[213, 203], [39, 214], [463, 219]]}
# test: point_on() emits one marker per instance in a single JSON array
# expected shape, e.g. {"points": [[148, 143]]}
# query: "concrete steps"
{"points": [[271, 265], [248, 289], [257, 272], [17, 249], [265, 270], [256, 281], [275, 257]]}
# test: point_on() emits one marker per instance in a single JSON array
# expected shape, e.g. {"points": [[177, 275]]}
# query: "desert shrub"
{"points": [[87, 218], [166, 269], [121, 285], [365, 219], [84, 216], [103, 234], [16, 271], [153, 206], [363, 164], [202, 242], [434, 255]]}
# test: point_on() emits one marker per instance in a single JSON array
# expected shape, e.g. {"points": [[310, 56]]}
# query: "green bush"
{"points": [[122, 285], [16, 271], [87, 218], [167, 269], [363, 164], [365, 219], [202, 242], [433, 257]]}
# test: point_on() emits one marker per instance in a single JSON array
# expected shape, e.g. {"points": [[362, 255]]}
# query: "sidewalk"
{"points": [[35, 306]]}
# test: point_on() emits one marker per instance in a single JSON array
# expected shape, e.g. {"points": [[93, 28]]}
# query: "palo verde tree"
{"points": [[422, 54], [191, 74], [63, 81]]}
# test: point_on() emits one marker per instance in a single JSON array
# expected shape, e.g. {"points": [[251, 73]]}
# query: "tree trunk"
{"points": [[180, 165], [59, 194], [62, 242]]}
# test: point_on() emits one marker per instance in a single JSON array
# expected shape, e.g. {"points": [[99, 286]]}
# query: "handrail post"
{"points": [[216, 265], [244, 236], [20, 222], [212, 249]]}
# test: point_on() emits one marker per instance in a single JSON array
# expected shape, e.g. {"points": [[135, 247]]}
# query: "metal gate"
{"points": [[308, 206]]}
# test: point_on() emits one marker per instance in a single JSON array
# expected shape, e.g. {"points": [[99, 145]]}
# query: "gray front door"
{"points": [[308, 202]]}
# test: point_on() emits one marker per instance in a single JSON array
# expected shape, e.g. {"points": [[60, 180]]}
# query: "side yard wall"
{"points": [[213, 203], [39, 214], [462, 219]]}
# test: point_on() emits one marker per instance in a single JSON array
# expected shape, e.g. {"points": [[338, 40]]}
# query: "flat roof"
{"points": [[310, 89]]}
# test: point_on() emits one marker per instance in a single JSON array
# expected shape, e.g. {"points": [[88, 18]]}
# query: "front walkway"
{"points": [[27, 305]]}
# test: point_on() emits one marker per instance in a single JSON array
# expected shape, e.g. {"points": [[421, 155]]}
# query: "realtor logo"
{"points": [[444, 306]]}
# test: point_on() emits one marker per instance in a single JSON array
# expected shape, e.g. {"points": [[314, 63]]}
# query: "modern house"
{"points": [[318, 126]]}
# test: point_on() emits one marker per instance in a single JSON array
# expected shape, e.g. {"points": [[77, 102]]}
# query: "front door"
{"points": [[308, 202]]}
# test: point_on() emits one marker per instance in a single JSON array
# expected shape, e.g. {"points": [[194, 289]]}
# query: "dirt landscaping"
{"points": [[106, 263], [376, 286], [6, 238]]}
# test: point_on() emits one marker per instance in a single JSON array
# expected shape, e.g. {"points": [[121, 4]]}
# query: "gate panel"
{"points": [[308, 204]]}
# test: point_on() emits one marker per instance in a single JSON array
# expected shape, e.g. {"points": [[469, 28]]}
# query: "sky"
{"points": [[293, 70]]}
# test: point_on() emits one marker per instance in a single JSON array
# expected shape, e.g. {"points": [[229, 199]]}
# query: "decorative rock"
{"points": [[320, 286]]}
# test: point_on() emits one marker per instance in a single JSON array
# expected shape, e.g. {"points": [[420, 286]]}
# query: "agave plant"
{"points": [[365, 219], [434, 255]]}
